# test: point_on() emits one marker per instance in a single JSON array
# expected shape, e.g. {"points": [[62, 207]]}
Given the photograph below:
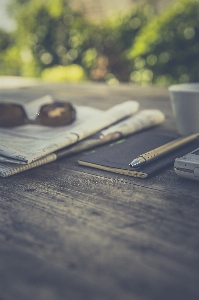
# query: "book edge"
{"points": [[132, 173]]}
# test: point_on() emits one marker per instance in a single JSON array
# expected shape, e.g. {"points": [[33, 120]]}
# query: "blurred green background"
{"points": [[56, 42]]}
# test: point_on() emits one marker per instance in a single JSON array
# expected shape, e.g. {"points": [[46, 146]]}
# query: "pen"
{"points": [[162, 150]]}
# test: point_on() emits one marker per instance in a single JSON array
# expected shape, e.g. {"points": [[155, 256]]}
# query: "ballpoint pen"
{"points": [[162, 150]]}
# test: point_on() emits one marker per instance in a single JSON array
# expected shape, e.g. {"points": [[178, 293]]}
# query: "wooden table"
{"points": [[71, 232]]}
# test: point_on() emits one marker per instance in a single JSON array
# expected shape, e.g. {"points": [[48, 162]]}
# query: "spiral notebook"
{"points": [[115, 157]]}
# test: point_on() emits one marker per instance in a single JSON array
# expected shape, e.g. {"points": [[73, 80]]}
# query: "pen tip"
{"points": [[134, 163]]}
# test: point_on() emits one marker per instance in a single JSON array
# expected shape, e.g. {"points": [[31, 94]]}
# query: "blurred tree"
{"points": [[118, 35], [71, 73], [48, 33], [5, 40], [167, 50], [8, 54]]}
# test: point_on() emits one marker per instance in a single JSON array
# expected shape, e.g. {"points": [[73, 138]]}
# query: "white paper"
{"points": [[26, 144], [139, 121]]}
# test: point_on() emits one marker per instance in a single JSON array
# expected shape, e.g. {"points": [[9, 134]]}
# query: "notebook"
{"points": [[115, 157]]}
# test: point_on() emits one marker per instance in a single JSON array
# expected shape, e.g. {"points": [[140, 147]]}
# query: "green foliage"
{"points": [[50, 34], [166, 51], [118, 33], [5, 40], [71, 73], [9, 61], [133, 45], [8, 55]]}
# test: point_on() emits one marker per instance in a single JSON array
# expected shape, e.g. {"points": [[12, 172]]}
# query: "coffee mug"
{"points": [[185, 106]]}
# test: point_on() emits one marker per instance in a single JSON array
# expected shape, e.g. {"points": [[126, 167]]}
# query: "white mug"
{"points": [[185, 106]]}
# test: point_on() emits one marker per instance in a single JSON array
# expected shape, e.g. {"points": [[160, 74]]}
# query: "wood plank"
{"points": [[71, 232], [103, 226]]}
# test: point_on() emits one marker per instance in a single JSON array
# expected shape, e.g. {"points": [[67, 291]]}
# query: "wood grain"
{"points": [[71, 232]]}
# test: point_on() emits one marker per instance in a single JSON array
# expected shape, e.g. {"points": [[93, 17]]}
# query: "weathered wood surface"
{"points": [[71, 232]]}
